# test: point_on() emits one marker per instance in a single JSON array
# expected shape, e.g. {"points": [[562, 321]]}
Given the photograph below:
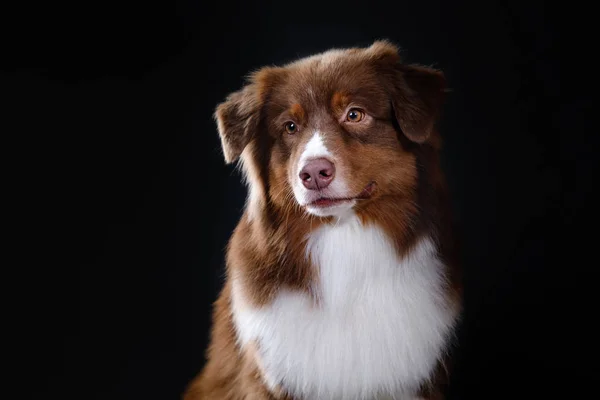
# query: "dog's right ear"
{"points": [[238, 117]]}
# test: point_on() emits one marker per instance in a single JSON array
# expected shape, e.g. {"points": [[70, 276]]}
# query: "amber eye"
{"points": [[355, 115], [291, 128]]}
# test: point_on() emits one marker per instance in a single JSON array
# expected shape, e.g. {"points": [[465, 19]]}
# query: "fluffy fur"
{"points": [[350, 291], [379, 327]]}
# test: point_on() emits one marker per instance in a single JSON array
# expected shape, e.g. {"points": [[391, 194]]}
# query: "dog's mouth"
{"points": [[330, 202]]}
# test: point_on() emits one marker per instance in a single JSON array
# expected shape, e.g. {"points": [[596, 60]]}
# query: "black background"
{"points": [[124, 205]]}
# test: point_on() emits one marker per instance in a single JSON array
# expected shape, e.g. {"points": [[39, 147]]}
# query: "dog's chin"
{"points": [[330, 208]]}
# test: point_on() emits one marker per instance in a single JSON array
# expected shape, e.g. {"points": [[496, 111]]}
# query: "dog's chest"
{"points": [[379, 327]]}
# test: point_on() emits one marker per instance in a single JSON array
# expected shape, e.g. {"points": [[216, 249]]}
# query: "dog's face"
{"points": [[333, 131]]}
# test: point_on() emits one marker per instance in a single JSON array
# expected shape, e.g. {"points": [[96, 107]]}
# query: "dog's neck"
{"points": [[396, 215]]}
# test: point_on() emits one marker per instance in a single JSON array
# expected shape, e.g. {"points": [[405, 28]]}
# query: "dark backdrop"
{"points": [[124, 204]]}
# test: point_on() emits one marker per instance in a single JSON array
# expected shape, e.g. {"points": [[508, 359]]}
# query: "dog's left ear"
{"points": [[417, 92], [418, 100]]}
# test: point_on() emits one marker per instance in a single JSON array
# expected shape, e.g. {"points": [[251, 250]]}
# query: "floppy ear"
{"points": [[418, 100], [237, 120], [417, 92], [239, 115]]}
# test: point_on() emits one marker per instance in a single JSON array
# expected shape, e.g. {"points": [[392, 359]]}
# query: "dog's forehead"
{"points": [[329, 59], [315, 80]]}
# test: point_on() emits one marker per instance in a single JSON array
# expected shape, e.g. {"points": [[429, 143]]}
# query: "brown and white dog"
{"points": [[342, 279]]}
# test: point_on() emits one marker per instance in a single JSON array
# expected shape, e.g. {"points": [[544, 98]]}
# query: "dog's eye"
{"points": [[355, 115], [291, 128]]}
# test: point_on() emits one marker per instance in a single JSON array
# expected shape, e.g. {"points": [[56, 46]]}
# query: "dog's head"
{"points": [[333, 131]]}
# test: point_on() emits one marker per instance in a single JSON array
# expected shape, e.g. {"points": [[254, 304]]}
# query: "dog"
{"points": [[343, 277]]}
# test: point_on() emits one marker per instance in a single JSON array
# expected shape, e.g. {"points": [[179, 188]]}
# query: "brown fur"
{"points": [[397, 148]]}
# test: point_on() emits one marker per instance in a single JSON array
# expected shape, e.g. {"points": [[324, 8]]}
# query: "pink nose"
{"points": [[317, 174]]}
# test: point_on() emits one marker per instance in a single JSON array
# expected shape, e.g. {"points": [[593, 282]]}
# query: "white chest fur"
{"points": [[379, 328]]}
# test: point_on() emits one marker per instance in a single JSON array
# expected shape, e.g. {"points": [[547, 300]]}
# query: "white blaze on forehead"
{"points": [[315, 148]]}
